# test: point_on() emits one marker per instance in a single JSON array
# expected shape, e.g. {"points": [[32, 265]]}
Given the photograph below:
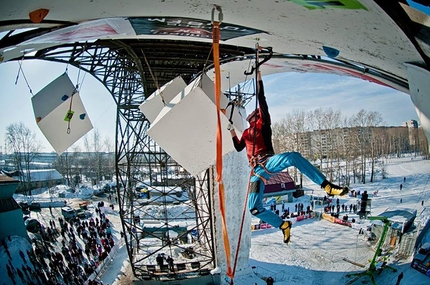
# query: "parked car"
{"points": [[83, 214], [107, 188], [32, 225], [34, 206], [24, 207], [68, 212], [423, 252], [421, 259], [99, 192]]}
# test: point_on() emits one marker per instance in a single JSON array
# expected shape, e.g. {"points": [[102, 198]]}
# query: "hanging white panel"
{"points": [[154, 103], [186, 129], [207, 86], [60, 114]]}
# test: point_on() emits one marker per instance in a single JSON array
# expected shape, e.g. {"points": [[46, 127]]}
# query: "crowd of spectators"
{"points": [[65, 252]]}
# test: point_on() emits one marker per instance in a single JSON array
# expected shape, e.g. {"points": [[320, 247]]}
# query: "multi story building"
{"points": [[412, 126]]}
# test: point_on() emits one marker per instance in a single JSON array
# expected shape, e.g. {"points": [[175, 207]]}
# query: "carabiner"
{"points": [[220, 15]]}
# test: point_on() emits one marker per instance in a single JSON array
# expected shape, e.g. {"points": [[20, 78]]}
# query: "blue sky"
{"points": [[16, 99], [418, 6], [290, 91], [285, 93]]}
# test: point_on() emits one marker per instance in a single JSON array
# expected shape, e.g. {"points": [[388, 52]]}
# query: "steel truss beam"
{"points": [[131, 71], [139, 161]]}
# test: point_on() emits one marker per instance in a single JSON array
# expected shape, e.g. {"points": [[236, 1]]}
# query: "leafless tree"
{"points": [[21, 141], [92, 159], [423, 144], [109, 159], [331, 124], [281, 136], [325, 125], [358, 141], [375, 120], [316, 119], [287, 134], [359, 121], [67, 164], [99, 162]]}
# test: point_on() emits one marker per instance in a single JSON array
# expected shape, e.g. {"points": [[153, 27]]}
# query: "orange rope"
{"points": [[241, 224], [221, 191], [245, 204]]}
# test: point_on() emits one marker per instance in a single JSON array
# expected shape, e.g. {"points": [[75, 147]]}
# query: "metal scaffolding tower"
{"points": [[163, 208]]}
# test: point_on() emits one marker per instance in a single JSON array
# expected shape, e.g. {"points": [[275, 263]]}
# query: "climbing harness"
{"points": [[260, 160]]}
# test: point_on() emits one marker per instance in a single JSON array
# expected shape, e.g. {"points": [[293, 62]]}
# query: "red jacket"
{"points": [[261, 142]]}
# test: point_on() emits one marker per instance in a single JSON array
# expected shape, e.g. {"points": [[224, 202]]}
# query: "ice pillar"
{"points": [[235, 178]]}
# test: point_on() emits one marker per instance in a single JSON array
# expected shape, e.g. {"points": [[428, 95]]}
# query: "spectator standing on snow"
{"points": [[170, 262], [399, 278], [160, 260]]}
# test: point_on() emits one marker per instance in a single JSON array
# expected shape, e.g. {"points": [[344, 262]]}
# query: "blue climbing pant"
{"points": [[273, 165]]}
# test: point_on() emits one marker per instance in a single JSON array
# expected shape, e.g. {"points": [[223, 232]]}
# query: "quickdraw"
{"points": [[232, 104], [258, 63], [220, 15]]}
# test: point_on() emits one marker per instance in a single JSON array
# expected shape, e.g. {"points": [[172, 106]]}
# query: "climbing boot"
{"points": [[332, 189], [285, 228]]}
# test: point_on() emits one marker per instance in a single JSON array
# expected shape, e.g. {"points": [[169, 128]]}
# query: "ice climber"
{"points": [[257, 139]]}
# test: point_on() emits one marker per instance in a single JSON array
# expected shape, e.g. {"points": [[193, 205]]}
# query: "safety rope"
{"points": [[245, 203], [217, 87], [251, 173], [70, 112], [154, 78], [253, 161], [20, 70]]}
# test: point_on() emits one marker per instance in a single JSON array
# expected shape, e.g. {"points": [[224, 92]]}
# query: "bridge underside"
{"points": [[374, 40]]}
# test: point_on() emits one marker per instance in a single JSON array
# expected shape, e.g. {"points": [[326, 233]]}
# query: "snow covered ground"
{"points": [[318, 247], [315, 254]]}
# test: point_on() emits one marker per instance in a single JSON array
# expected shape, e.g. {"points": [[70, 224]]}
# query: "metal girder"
{"points": [[139, 161], [131, 70]]}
